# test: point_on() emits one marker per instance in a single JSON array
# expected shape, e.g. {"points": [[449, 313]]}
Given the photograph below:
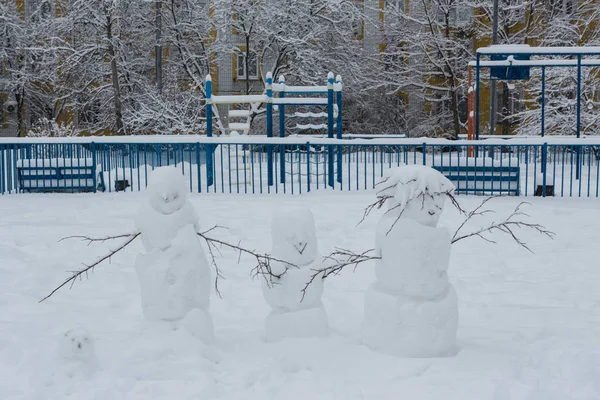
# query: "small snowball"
{"points": [[77, 345]]}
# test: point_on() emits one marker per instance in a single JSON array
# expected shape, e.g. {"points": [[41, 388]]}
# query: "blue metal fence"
{"points": [[243, 166]]}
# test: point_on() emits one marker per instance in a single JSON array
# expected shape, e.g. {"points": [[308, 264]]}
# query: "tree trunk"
{"points": [[115, 76], [21, 115], [455, 119]]}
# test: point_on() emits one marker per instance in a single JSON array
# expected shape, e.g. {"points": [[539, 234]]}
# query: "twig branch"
{"points": [[91, 240], [263, 261], [78, 274], [340, 258], [507, 226]]}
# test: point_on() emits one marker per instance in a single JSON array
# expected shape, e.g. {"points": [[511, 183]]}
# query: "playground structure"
{"points": [[332, 102], [513, 62]]}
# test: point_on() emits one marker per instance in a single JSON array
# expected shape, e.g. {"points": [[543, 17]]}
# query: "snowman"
{"points": [[411, 309], [77, 354], [294, 313], [173, 272]]}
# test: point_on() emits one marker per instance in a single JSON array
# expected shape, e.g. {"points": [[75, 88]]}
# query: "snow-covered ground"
{"points": [[529, 323]]}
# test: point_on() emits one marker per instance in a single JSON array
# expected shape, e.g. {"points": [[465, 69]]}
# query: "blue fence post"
{"points": [[282, 129], [94, 164], [269, 90], [338, 128], [424, 153], [209, 147], [578, 172], [543, 100], [544, 160], [330, 163], [2, 147]]}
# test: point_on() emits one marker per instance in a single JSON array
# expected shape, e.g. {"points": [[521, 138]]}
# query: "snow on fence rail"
{"points": [[567, 167]]}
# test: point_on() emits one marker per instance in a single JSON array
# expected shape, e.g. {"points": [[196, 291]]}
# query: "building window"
{"points": [[252, 65], [459, 15]]}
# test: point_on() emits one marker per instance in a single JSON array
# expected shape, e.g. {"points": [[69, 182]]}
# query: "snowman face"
{"points": [[167, 191], [77, 344], [294, 234], [425, 209]]}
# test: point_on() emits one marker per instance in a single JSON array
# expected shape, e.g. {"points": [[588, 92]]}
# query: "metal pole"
{"points": [[477, 76], [493, 105], [282, 130], [209, 153], [330, 164], [578, 172], [159, 46], [269, 90], [338, 88], [545, 148], [543, 100]]}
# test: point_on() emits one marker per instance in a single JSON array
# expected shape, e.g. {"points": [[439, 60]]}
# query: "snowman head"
{"points": [[77, 345], [294, 235], [167, 190], [415, 192]]}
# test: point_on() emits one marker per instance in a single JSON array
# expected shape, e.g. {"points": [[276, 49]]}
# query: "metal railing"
{"points": [[562, 167]]}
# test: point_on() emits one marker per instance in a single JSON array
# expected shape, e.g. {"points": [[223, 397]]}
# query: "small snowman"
{"points": [[411, 309], [295, 242], [174, 274], [76, 352]]}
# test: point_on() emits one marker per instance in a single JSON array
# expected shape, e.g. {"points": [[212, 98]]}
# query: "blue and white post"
{"points": [[209, 149], [330, 128], [282, 129], [338, 128], [269, 90]]}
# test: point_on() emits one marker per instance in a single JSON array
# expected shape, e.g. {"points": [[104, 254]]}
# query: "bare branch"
{"points": [[91, 240], [340, 258], [78, 274], [507, 226], [264, 262]]}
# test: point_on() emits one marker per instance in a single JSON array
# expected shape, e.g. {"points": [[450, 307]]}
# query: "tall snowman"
{"points": [[411, 309], [295, 242], [173, 272]]}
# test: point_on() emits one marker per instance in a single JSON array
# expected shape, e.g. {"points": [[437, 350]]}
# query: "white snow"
{"points": [[526, 49], [529, 323], [300, 101], [239, 99]]}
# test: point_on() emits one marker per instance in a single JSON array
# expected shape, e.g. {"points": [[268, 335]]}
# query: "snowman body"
{"points": [[297, 310]]}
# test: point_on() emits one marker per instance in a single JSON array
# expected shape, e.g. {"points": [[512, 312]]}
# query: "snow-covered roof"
{"points": [[525, 49], [535, 63]]}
